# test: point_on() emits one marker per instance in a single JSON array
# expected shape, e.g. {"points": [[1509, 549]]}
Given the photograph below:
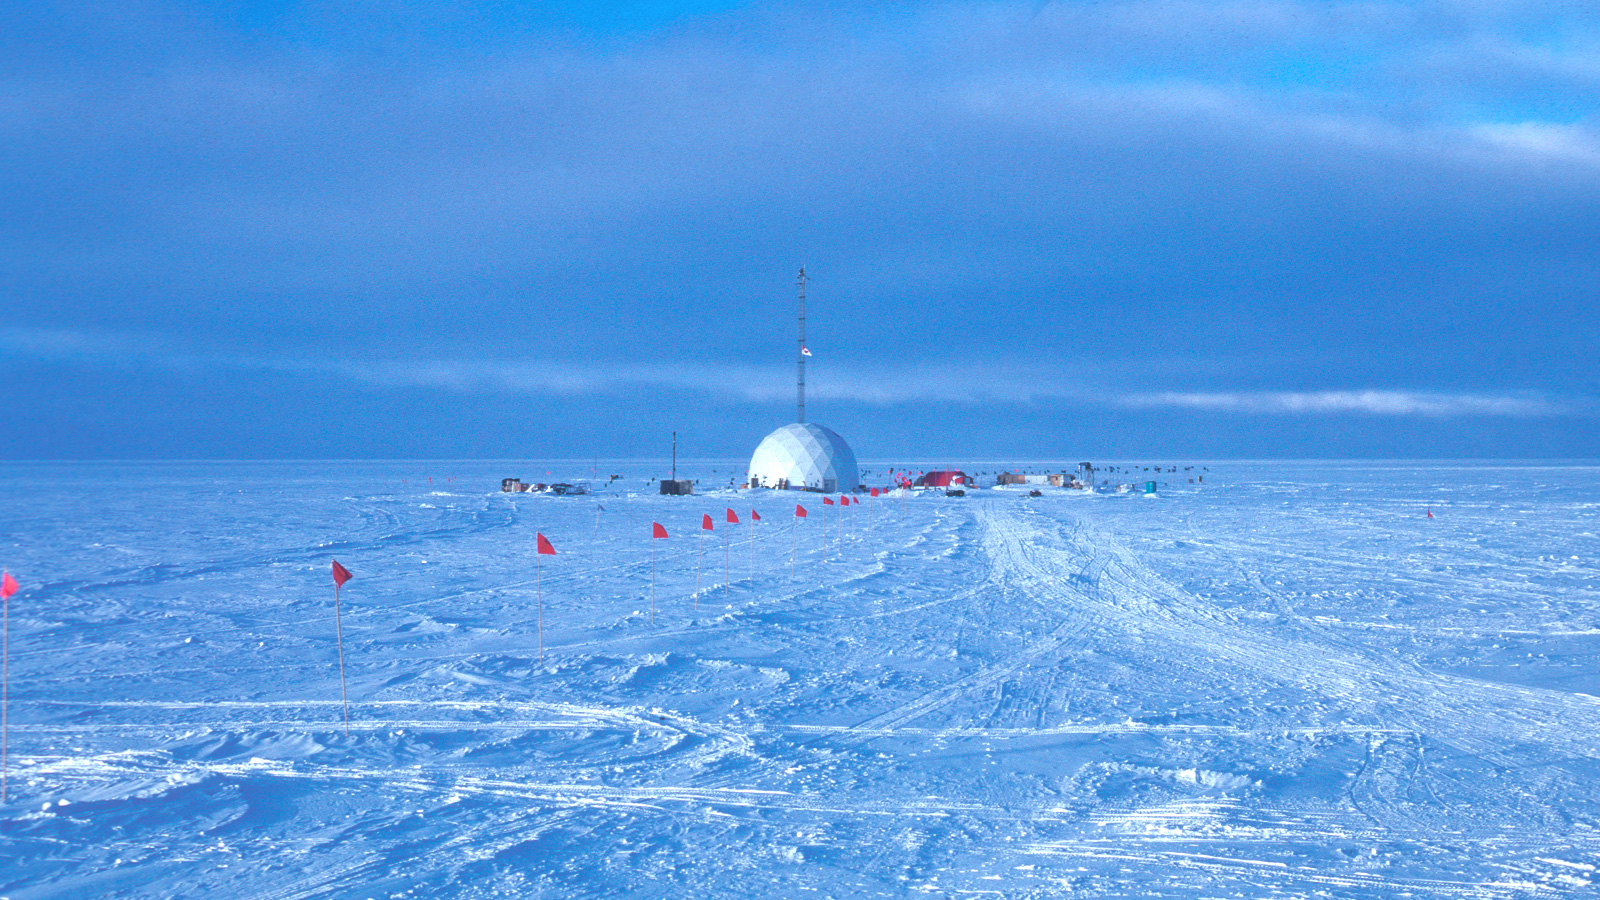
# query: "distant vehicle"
{"points": [[1036, 493], [955, 493]]}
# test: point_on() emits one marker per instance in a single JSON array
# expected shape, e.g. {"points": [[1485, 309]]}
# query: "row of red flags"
{"points": [[342, 575], [657, 530]]}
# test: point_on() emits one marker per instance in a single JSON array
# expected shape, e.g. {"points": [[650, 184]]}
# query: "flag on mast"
{"points": [[656, 533], [700, 558], [545, 549], [8, 586], [340, 576], [794, 535]]}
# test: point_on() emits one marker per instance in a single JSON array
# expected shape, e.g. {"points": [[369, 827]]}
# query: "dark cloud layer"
{"points": [[383, 210]]}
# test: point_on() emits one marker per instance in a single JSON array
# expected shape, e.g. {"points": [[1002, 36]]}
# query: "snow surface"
{"points": [[1287, 681]]}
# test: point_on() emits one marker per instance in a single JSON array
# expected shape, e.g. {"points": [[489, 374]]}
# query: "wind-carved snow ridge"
{"points": [[1287, 681]]}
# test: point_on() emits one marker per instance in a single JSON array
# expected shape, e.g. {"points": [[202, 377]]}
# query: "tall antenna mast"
{"points": [[800, 357]]}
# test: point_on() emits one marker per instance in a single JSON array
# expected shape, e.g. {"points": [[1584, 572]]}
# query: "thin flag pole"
{"points": [[752, 548], [727, 562], [7, 588], [5, 709], [340, 576], [542, 548], [656, 534], [344, 693], [794, 538], [699, 562]]}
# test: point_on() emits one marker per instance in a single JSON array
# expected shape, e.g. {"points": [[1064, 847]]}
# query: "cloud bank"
{"points": [[1196, 206], [880, 385], [1368, 402]]}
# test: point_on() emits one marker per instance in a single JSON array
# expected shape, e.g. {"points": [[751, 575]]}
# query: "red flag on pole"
{"points": [[656, 532], [340, 576], [755, 516], [727, 556], [705, 523], [546, 547], [8, 586], [799, 511], [827, 501], [874, 492]]}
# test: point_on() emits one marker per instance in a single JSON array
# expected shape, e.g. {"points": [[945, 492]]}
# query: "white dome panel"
{"points": [[804, 457]]}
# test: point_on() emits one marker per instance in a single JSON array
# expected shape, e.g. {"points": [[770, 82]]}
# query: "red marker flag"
{"points": [[8, 586], [755, 516], [733, 517], [340, 576], [1430, 515], [874, 492], [799, 511], [545, 546], [656, 531], [827, 501], [705, 523]]}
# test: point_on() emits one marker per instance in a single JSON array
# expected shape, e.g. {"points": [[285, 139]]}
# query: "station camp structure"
{"points": [[804, 456]]}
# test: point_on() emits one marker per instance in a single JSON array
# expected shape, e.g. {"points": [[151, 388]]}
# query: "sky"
{"points": [[1031, 230]]}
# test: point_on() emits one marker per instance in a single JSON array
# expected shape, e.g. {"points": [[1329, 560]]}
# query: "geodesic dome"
{"points": [[804, 457]]}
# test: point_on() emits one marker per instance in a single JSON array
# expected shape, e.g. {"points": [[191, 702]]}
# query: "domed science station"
{"points": [[804, 456]]}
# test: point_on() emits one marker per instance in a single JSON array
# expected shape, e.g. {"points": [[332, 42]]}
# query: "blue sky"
{"points": [[1033, 230]]}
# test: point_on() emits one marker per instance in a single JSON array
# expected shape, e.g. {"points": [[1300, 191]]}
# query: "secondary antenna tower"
{"points": [[800, 356]]}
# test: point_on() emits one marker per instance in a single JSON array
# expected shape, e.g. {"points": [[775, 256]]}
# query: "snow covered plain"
{"points": [[1287, 681]]}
